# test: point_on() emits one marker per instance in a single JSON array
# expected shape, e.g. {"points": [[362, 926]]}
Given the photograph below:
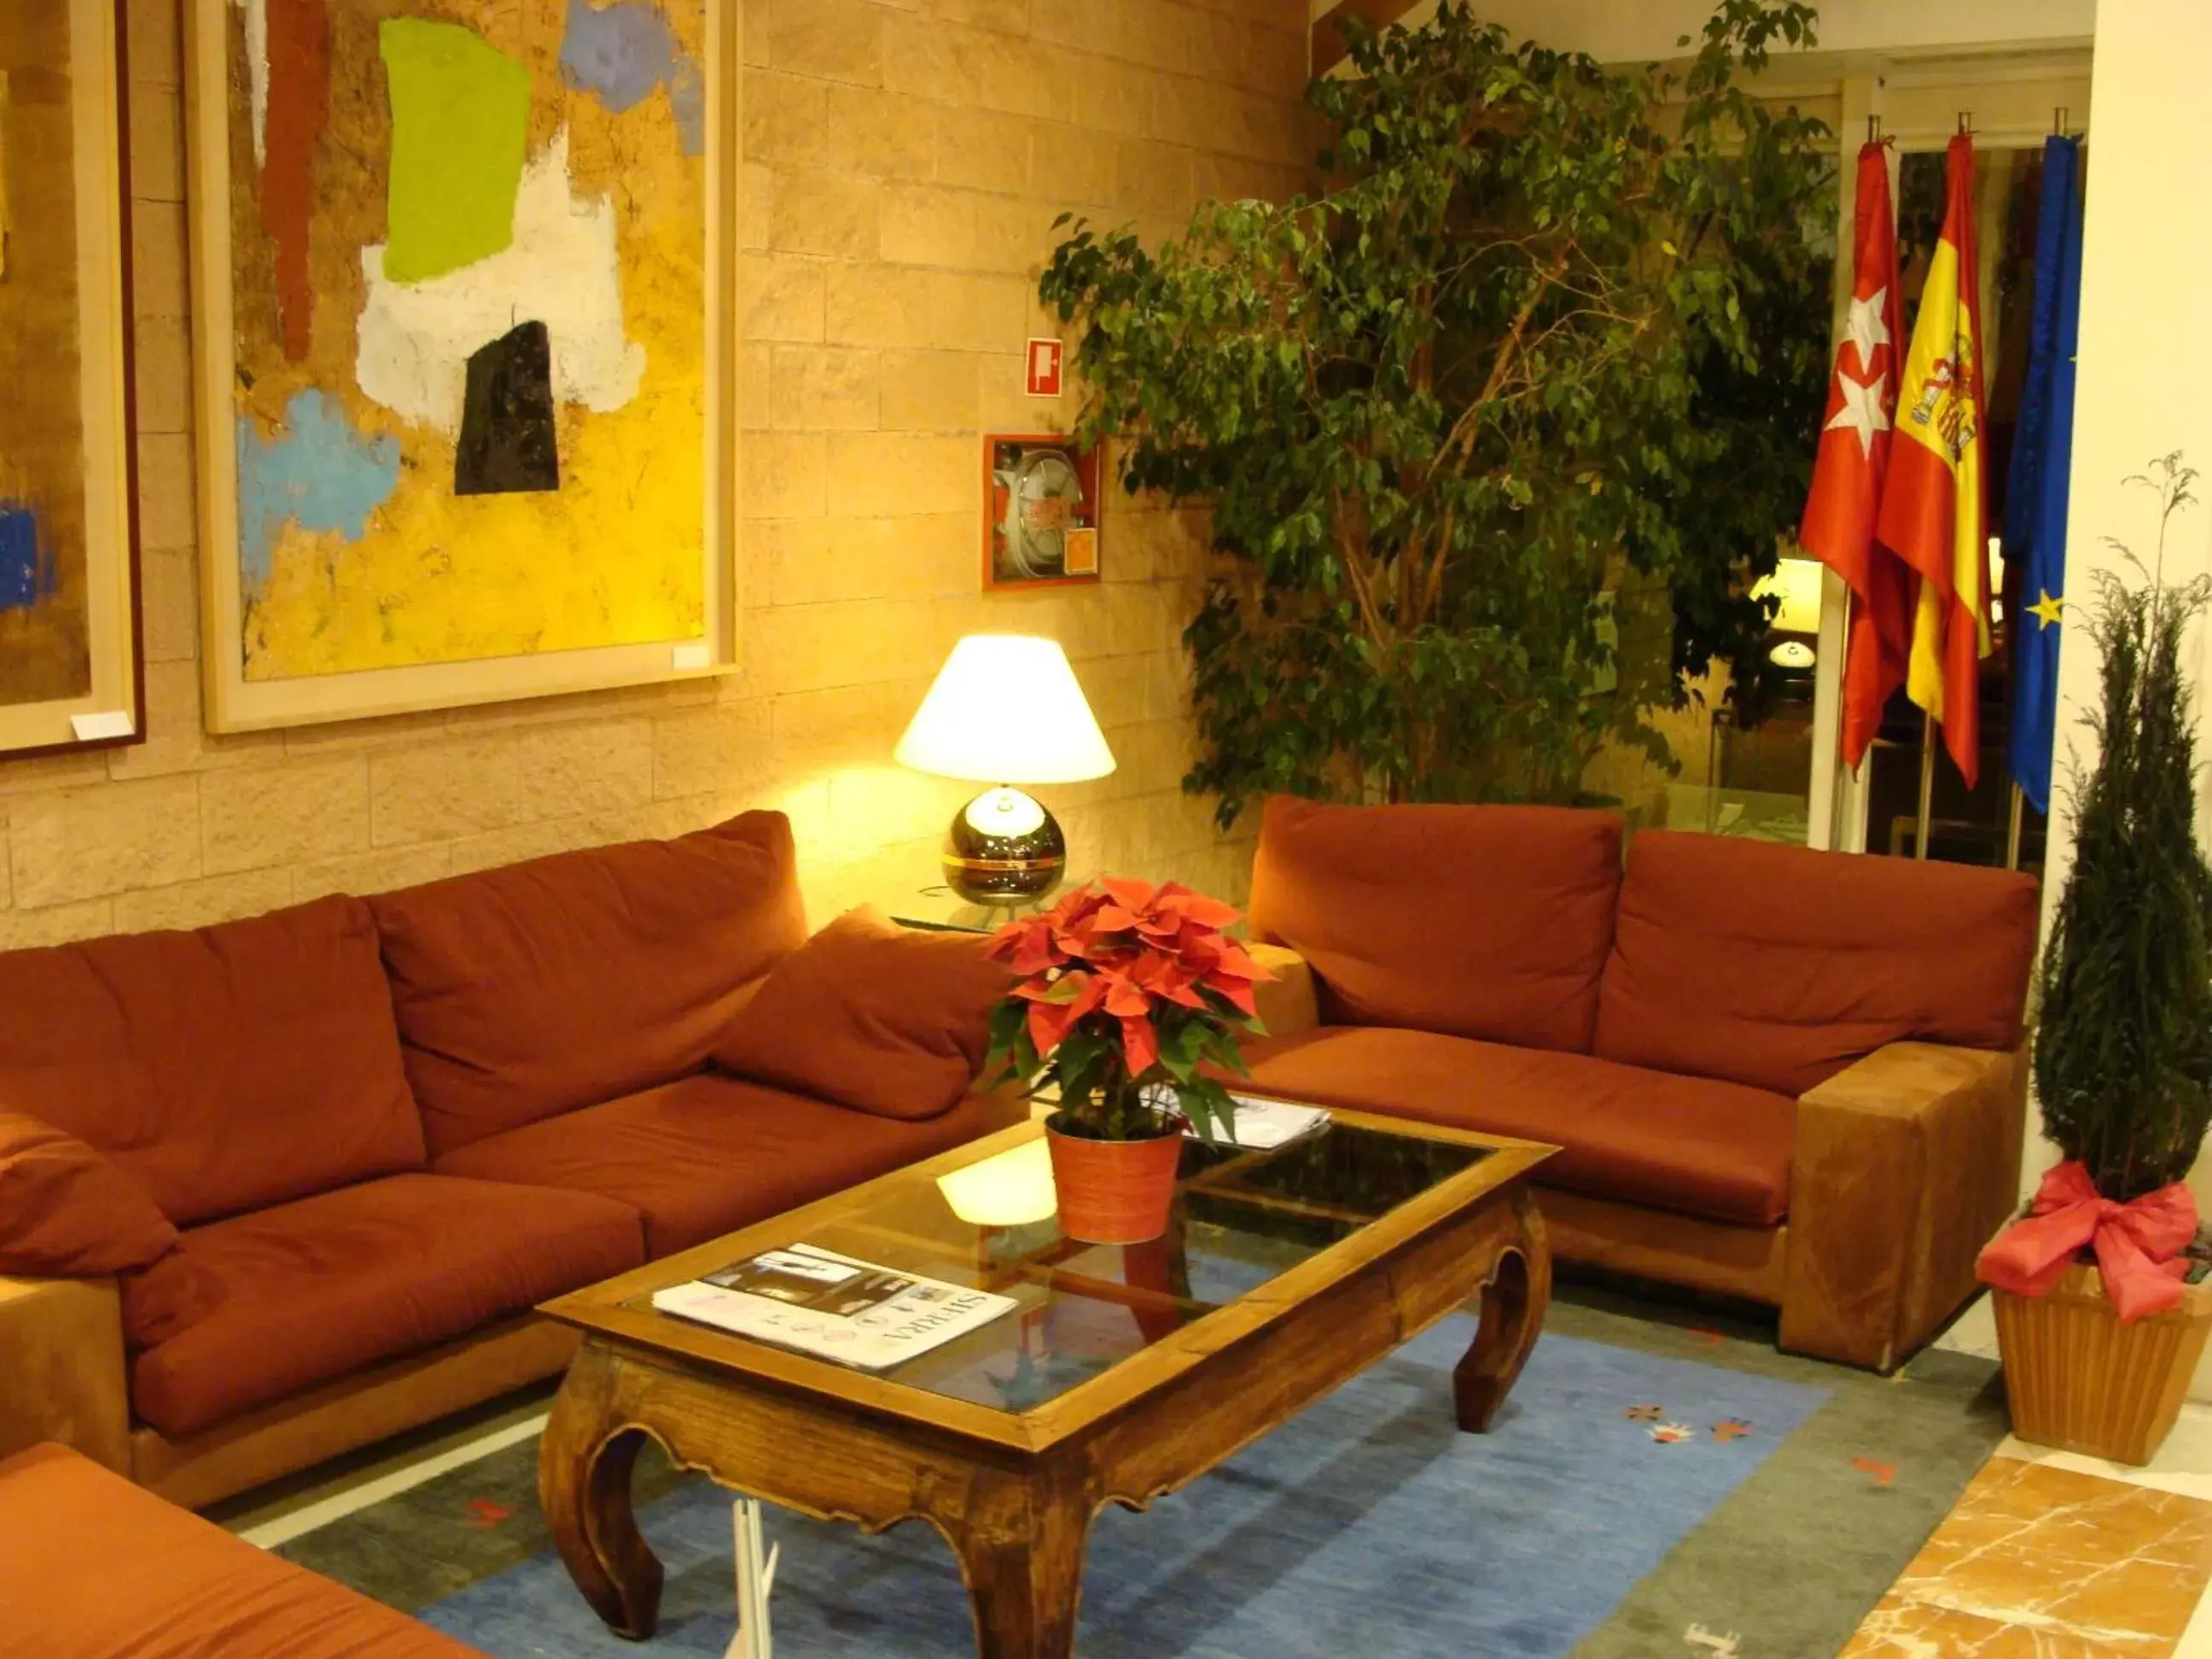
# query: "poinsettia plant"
{"points": [[1129, 994]]}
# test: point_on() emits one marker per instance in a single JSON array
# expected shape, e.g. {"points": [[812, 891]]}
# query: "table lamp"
{"points": [[1004, 710]]}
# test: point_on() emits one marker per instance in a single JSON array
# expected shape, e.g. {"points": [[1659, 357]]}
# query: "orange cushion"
{"points": [[1488, 921], [531, 990], [96, 1568], [1713, 1149], [871, 1015], [65, 1210], [240, 1065], [251, 1309], [1779, 966], [711, 1154]]}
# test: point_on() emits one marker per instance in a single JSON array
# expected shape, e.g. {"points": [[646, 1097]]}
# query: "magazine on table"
{"points": [[1264, 1125], [832, 1306]]}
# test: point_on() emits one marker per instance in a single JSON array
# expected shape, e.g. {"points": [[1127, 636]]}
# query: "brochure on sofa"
{"points": [[832, 1306]]}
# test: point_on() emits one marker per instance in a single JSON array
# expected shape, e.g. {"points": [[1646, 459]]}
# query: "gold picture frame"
{"points": [[71, 669], [401, 608]]}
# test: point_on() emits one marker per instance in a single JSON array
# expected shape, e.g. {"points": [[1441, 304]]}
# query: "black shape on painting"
{"points": [[508, 441]]}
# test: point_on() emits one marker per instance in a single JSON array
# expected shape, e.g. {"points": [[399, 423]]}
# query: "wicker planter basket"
{"points": [[1114, 1191], [2078, 1379]]}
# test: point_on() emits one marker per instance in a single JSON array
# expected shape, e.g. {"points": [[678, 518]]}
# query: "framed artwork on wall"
{"points": [[464, 295], [1041, 510], [70, 659]]}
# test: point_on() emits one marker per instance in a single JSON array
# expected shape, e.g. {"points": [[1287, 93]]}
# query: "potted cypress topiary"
{"points": [[2100, 1314]]}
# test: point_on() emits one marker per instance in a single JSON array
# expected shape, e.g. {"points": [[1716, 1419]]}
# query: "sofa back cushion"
{"points": [[881, 1019], [1779, 966], [1481, 922], [225, 1069], [529, 991]]}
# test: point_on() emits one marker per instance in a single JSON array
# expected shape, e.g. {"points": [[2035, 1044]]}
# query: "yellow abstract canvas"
{"points": [[471, 357]]}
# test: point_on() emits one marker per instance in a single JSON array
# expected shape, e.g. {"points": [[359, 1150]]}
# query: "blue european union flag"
{"points": [[2042, 457]]}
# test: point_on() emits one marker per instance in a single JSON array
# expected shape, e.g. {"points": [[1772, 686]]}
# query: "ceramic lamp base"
{"points": [[1004, 848]]}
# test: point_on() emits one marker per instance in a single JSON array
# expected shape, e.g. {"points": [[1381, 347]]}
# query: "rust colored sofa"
{"points": [[294, 1184], [94, 1567], [1791, 1076]]}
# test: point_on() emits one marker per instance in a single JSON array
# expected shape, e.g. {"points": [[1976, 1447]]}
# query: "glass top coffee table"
{"points": [[1124, 1373]]}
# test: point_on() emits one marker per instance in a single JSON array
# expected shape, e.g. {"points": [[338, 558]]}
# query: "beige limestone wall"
{"points": [[904, 161]]}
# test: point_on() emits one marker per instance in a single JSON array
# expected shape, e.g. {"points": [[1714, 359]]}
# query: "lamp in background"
{"points": [[1004, 710]]}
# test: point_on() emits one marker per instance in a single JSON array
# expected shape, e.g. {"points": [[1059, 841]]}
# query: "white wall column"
{"points": [[2146, 358]]}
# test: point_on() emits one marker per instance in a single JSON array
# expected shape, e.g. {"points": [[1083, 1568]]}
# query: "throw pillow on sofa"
{"points": [[881, 1019], [66, 1211]]}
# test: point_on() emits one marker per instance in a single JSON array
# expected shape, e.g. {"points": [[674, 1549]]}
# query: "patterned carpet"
{"points": [[1653, 1487]]}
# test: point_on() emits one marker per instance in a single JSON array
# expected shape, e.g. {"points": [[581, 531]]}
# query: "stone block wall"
{"points": [[904, 162]]}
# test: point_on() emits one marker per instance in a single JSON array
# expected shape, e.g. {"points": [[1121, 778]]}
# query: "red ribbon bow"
{"points": [[2138, 1243]]}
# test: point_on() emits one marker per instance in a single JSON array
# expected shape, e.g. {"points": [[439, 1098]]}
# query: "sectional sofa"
{"points": [[1784, 1076], [281, 1187]]}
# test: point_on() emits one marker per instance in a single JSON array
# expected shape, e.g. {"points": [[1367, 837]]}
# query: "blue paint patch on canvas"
{"points": [[27, 574], [1368, 1525], [318, 472], [623, 53]]}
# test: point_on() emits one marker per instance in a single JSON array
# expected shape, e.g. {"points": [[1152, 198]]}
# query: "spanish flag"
{"points": [[1935, 507]]}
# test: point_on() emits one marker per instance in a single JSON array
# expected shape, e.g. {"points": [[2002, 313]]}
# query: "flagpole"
{"points": [[1927, 784], [2012, 835]]}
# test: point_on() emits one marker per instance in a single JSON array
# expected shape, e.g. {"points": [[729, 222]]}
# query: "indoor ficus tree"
{"points": [[1443, 411], [2124, 1045]]}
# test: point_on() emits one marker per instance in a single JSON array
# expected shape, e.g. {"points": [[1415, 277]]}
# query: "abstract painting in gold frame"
{"points": [[465, 306], [70, 668]]}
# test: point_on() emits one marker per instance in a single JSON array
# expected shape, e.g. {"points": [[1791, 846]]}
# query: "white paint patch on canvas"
{"points": [[561, 270], [257, 72]]}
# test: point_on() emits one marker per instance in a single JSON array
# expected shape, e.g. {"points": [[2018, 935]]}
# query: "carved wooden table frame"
{"points": [[1014, 1493]]}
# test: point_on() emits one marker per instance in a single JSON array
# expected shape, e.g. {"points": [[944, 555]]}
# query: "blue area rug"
{"points": [[1368, 1527]]}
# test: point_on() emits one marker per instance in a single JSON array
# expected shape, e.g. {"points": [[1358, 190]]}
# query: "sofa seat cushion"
{"points": [[240, 1065], [1717, 1151], [1484, 922], [95, 1568], [1779, 966], [253, 1308], [529, 991], [710, 1154]]}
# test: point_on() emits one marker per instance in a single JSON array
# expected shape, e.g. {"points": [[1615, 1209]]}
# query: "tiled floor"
{"points": [[2053, 1555], [2040, 1559]]}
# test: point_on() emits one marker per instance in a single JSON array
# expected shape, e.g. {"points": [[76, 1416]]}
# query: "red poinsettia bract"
{"points": [[1126, 949]]}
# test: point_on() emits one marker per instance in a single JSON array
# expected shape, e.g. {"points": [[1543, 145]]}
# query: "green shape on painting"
{"points": [[460, 125]]}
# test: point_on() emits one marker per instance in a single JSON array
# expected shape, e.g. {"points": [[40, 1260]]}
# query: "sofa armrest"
{"points": [[62, 1374], [1289, 1003], [1906, 1163]]}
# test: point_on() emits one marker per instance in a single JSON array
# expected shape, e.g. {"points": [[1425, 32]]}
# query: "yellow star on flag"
{"points": [[2049, 611]]}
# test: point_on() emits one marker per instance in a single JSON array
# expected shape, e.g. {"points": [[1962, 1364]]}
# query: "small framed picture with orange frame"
{"points": [[1040, 500]]}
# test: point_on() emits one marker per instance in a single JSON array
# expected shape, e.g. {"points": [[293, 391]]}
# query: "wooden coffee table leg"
{"points": [[1514, 1303], [1021, 1553], [584, 1465]]}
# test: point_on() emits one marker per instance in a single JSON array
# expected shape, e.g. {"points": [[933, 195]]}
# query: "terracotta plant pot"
{"points": [[2078, 1379], [1114, 1191]]}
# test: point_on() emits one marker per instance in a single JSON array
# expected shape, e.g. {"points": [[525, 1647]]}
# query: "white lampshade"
{"points": [[1796, 582], [1005, 708]]}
